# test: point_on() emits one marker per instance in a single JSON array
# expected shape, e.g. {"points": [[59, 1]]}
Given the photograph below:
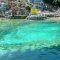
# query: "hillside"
{"points": [[53, 2]]}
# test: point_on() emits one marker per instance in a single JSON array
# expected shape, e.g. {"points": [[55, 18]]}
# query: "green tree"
{"points": [[53, 2], [56, 1]]}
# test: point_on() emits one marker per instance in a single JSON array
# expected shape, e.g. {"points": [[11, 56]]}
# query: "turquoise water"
{"points": [[29, 31], [30, 40]]}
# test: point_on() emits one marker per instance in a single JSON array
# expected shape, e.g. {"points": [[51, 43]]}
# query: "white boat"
{"points": [[36, 17]]}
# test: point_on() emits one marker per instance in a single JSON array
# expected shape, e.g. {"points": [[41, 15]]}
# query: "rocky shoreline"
{"points": [[14, 22]]}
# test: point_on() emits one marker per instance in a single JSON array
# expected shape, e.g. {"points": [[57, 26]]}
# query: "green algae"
{"points": [[31, 45]]}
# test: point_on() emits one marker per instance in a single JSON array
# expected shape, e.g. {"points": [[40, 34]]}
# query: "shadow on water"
{"points": [[52, 53]]}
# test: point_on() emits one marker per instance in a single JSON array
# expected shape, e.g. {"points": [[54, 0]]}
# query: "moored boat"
{"points": [[36, 17]]}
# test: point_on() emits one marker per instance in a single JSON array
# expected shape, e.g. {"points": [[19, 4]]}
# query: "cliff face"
{"points": [[51, 5]]}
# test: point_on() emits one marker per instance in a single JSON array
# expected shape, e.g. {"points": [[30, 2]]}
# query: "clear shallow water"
{"points": [[29, 31], [27, 38]]}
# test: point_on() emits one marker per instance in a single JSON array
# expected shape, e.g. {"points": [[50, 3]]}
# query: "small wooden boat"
{"points": [[9, 14], [18, 17]]}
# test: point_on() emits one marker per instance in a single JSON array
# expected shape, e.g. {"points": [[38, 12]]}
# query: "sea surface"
{"points": [[30, 40]]}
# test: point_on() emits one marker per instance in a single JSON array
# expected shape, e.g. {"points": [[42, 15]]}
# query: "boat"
{"points": [[36, 17], [18, 17], [35, 14], [9, 14]]}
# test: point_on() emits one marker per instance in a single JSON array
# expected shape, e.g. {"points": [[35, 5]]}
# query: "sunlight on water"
{"points": [[31, 33]]}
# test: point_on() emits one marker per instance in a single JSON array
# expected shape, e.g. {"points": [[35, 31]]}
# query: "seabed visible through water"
{"points": [[29, 40]]}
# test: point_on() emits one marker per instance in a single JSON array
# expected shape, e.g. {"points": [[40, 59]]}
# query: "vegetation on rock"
{"points": [[53, 2]]}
